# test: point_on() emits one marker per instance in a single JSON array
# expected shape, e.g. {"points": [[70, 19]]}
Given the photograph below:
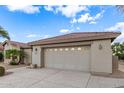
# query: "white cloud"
{"points": [[45, 36], [78, 28], [88, 18], [118, 27], [71, 11], [31, 35], [120, 38], [68, 11], [37, 36], [26, 9], [49, 8], [92, 22], [65, 31], [84, 18]]}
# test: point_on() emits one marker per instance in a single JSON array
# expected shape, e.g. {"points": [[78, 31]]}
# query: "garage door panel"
{"points": [[77, 58]]}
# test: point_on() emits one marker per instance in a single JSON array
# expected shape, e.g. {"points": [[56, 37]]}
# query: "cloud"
{"points": [[78, 28], [65, 31], [49, 8], [73, 11], [68, 11], [45, 36], [37, 36], [92, 22], [88, 18], [31, 35], [26, 9], [117, 27], [120, 38]]}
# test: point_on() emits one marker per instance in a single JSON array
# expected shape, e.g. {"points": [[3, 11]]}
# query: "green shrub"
{"points": [[2, 71], [13, 63], [1, 56]]}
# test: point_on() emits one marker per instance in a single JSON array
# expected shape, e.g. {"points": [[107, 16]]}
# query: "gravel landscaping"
{"points": [[7, 66]]}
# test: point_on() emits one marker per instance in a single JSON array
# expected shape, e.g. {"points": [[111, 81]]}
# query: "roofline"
{"points": [[71, 42], [26, 47], [112, 38]]}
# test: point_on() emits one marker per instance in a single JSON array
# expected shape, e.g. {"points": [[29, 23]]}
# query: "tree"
{"points": [[4, 33], [15, 55], [118, 50]]}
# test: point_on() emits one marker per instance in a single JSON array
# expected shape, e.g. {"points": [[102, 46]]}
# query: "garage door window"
{"points": [[66, 49], [61, 49], [79, 48], [72, 49], [55, 49]]}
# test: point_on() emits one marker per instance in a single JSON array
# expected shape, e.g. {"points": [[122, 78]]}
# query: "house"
{"points": [[19, 46], [83, 51]]}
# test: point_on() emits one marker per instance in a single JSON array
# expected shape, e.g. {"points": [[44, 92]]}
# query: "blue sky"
{"points": [[29, 23]]}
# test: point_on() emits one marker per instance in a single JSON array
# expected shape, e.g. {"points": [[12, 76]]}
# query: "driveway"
{"points": [[53, 78]]}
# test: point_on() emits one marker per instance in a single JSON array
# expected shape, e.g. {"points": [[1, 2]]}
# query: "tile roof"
{"points": [[79, 36], [20, 44]]}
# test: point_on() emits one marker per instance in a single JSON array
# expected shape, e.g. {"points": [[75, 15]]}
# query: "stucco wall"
{"points": [[101, 56], [100, 59], [27, 59], [36, 55]]}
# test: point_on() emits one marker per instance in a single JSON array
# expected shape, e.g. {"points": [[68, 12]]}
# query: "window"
{"points": [[55, 49], [72, 49], [79, 48], [60, 49], [51, 50], [66, 49]]}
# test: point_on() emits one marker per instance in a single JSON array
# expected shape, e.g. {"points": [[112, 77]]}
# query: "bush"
{"points": [[13, 63], [1, 56], [2, 71]]}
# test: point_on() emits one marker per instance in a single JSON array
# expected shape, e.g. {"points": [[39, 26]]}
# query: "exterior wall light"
{"points": [[100, 47], [35, 50]]}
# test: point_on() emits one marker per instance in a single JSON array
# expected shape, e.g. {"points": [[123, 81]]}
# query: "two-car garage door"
{"points": [[72, 58]]}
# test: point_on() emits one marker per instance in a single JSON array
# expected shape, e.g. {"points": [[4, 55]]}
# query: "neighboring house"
{"points": [[16, 45], [83, 51]]}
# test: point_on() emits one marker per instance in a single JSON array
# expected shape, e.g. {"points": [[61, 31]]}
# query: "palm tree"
{"points": [[4, 33]]}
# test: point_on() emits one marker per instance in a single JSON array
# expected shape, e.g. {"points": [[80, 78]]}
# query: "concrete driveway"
{"points": [[54, 78]]}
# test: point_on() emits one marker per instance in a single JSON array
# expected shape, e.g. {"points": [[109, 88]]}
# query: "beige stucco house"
{"points": [[83, 51], [19, 46]]}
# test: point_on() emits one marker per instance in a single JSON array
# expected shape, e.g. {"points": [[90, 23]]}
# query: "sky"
{"points": [[30, 23]]}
